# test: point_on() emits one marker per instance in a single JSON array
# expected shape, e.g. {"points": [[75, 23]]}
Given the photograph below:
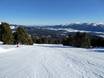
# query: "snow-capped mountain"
{"points": [[92, 28]]}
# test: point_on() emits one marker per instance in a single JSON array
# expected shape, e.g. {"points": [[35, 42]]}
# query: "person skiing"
{"points": [[17, 44]]}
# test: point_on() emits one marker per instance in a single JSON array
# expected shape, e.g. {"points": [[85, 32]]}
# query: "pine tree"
{"points": [[68, 40], [86, 42], [6, 33], [78, 40], [22, 36]]}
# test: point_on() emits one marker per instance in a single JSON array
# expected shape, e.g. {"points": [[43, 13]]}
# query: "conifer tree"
{"points": [[6, 33], [22, 36], [86, 42]]}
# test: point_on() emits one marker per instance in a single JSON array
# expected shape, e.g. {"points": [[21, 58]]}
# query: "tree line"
{"points": [[78, 40], [83, 40], [46, 40], [7, 36]]}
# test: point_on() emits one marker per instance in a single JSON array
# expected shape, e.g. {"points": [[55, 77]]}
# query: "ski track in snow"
{"points": [[50, 61]]}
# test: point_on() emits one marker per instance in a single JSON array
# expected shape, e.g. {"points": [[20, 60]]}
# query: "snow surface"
{"points": [[50, 61]]}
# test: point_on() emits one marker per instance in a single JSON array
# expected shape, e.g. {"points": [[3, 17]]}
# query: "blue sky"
{"points": [[44, 12]]}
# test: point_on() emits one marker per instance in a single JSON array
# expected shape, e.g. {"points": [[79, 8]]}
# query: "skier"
{"points": [[17, 44]]}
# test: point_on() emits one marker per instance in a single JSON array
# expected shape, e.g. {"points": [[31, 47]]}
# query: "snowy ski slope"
{"points": [[50, 61]]}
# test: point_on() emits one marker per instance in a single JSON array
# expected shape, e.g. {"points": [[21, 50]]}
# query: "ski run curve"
{"points": [[50, 61]]}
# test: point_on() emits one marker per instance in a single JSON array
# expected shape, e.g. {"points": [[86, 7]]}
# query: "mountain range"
{"points": [[63, 30]]}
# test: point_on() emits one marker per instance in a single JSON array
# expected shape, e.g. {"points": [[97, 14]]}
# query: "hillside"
{"points": [[50, 61]]}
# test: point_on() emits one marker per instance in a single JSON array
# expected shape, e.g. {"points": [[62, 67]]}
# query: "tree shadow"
{"points": [[100, 50]]}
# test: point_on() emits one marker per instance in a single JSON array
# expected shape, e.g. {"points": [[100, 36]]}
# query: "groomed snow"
{"points": [[50, 61]]}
